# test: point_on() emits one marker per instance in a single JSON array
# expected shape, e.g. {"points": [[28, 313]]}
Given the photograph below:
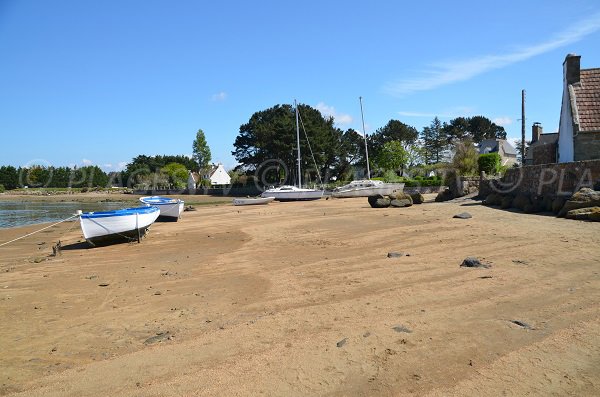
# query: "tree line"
{"points": [[266, 144]]}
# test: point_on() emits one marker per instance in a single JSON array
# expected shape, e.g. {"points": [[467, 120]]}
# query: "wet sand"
{"points": [[301, 299]]}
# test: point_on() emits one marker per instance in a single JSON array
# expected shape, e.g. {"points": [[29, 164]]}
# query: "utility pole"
{"points": [[522, 127]]}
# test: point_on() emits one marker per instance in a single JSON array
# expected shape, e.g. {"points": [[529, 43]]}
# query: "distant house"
{"points": [[543, 148], [507, 152], [193, 179], [579, 128], [217, 175]]}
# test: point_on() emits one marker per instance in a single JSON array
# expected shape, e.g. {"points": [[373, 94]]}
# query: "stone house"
{"points": [[543, 147], [579, 129], [507, 152]]}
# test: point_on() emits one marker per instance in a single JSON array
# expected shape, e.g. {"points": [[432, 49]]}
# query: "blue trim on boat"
{"points": [[121, 212], [158, 200]]}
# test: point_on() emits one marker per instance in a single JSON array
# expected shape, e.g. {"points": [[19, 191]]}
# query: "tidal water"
{"points": [[21, 213]]}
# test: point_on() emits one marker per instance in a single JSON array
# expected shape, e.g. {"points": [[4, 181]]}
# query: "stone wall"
{"points": [[587, 146], [544, 154], [462, 185], [545, 180]]}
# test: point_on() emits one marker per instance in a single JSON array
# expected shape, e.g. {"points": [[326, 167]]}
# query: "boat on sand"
{"points": [[123, 225], [252, 200], [170, 208]]}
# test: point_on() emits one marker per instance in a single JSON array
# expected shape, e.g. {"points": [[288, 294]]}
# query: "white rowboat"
{"points": [[128, 224], [170, 208], [252, 200]]}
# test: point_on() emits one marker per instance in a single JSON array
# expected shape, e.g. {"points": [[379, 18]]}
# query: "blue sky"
{"points": [[99, 82]]}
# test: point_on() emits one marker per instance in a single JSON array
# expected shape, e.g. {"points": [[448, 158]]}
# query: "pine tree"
{"points": [[201, 150]]}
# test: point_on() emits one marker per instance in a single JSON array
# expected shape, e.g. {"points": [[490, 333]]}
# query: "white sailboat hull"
{"points": [[127, 224], [292, 193]]}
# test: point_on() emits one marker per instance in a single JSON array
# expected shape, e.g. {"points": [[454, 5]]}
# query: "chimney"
{"points": [[571, 68], [536, 131]]}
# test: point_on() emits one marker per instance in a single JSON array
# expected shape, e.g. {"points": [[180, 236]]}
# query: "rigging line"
{"points": [[310, 148], [37, 231]]}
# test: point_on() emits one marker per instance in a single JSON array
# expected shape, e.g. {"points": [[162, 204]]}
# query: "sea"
{"points": [[22, 213]]}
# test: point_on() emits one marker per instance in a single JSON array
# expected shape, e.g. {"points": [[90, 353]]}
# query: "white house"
{"points": [[217, 175]]}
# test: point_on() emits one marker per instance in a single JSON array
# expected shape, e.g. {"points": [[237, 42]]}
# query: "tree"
{"points": [[201, 150], [177, 174], [394, 130], [9, 177], [475, 128], [267, 142], [435, 142], [392, 156], [465, 158]]}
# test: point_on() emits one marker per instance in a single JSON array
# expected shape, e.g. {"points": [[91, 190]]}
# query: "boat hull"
{"points": [[292, 193], [386, 190], [253, 200], [170, 209], [130, 224]]}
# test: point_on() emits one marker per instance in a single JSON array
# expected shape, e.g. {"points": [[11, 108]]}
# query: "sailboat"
{"points": [[366, 187], [289, 192]]}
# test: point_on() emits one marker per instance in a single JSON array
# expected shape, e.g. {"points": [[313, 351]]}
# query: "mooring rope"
{"points": [[37, 231]]}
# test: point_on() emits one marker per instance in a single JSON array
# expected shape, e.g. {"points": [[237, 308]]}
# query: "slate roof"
{"points": [[491, 145], [587, 99]]}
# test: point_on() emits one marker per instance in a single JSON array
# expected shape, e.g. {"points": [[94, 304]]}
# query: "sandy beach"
{"points": [[297, 299]]}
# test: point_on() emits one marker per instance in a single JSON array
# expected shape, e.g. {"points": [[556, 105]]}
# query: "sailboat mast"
{"points": [[365, 136], [298, 145]]}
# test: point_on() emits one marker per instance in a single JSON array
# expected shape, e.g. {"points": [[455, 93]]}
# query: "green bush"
{"points": [[2, 189], [489, 163]]}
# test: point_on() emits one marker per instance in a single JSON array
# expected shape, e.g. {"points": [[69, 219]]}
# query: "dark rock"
{"points": [[521, 324], [584, 198], [506, 202], [493, 199], [401, 328], [379, 201], [558, 203], [400, 203], [160, 337], [463, 215], [103, 285], [417, 198], [547, 204], [394, 254], [584, 213], [471, 261], [342, 342], [521, 201], [189, 208], [444, 196]]}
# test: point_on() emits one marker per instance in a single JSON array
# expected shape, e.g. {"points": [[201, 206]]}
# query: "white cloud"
{"points": [[329, 111], [121, 166], [108, 166], [444, 73], [502, 121], [86, 162], [221, 96]]}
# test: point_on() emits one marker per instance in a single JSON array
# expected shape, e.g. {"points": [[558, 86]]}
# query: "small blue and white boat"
{"points": [[128, 224], [170, 208]]}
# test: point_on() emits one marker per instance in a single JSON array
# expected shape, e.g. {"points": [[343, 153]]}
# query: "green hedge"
{"points": [[489, 163]]}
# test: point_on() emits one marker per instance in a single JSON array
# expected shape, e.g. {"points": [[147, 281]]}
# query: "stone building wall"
{"points": [[587, 146], [545, 180], [544, 154]]}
